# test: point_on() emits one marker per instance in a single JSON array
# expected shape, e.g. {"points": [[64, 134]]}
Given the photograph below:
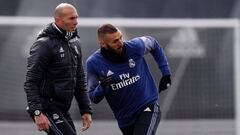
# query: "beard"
{"points": [[113, 55], [110, 49]]}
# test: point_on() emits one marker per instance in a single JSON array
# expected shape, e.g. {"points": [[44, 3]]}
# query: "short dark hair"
{"points": [[106, 29]]}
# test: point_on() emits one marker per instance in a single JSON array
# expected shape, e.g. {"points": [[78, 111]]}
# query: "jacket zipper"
{"points": [[72, 62]]}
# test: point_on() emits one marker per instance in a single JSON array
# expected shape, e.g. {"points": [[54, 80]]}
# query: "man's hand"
{"points": [[106, 81], [164, 83], [42, 122], [86, 120]]}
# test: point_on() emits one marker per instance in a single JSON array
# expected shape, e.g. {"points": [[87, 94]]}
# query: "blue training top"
{"points": [[132, 86]]}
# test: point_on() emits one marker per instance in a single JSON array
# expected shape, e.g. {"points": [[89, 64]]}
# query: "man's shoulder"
{"points": [[43, 40], [44, 43], [40, 41], [135, 45], [140, 40], [94, 56], [48, 41]]}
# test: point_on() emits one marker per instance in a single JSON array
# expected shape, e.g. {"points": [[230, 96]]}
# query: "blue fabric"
{"points": [[132, 86]]}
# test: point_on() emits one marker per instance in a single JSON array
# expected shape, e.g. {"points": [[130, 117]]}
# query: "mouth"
{"points": [[73, 27], [119, 50]]}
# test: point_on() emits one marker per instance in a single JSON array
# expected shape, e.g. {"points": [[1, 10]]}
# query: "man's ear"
{"points": [[57, 19], [102, 44]]}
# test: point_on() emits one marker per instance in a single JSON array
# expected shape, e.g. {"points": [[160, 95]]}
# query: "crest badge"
{"points": [[55, 116], [131, 63]]}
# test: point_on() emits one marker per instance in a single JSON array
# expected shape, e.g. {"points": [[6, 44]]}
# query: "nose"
{"points": [[75, 22], [119, 43]]}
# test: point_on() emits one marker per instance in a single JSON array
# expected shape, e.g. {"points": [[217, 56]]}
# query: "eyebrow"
{"points": [[117, 39], [73, 17]]}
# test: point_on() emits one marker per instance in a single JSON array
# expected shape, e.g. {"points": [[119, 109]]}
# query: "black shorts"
{"points": [[146, 123], [61, 123]]}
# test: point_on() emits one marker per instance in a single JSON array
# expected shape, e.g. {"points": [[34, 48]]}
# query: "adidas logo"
{"points": [[109, 73], [61, 50], [147, 110]]}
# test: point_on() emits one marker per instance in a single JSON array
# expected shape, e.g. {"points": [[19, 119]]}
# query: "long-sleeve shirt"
{"points": [[131, 86]]}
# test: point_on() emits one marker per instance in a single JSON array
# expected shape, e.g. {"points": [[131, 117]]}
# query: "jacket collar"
{"points": [[67, 35]]}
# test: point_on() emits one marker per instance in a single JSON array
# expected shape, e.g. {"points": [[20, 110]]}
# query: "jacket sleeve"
{"points": [[37, 63], [81, 93], [95, 90], [152, 46]]}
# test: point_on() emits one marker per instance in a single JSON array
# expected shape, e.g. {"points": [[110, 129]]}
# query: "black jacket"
{"points": [[55, 72]]}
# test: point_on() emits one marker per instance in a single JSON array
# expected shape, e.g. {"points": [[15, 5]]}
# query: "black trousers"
{"points": [[146, 123], [61, 123]]}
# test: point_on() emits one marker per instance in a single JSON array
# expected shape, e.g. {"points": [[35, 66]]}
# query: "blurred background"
{"points": [[202, 98]]}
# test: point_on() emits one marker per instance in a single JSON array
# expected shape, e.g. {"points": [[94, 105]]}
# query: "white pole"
{"points": [[237, 75], [124, 22]]}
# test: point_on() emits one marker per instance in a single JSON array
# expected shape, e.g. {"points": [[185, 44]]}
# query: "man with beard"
{"points": [[119, 72]]}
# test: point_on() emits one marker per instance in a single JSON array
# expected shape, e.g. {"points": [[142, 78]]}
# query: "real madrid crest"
{"points": [[55, 116], [131, 63]]}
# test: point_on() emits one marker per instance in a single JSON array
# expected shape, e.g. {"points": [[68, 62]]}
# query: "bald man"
{"points": [[55, 75]]}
